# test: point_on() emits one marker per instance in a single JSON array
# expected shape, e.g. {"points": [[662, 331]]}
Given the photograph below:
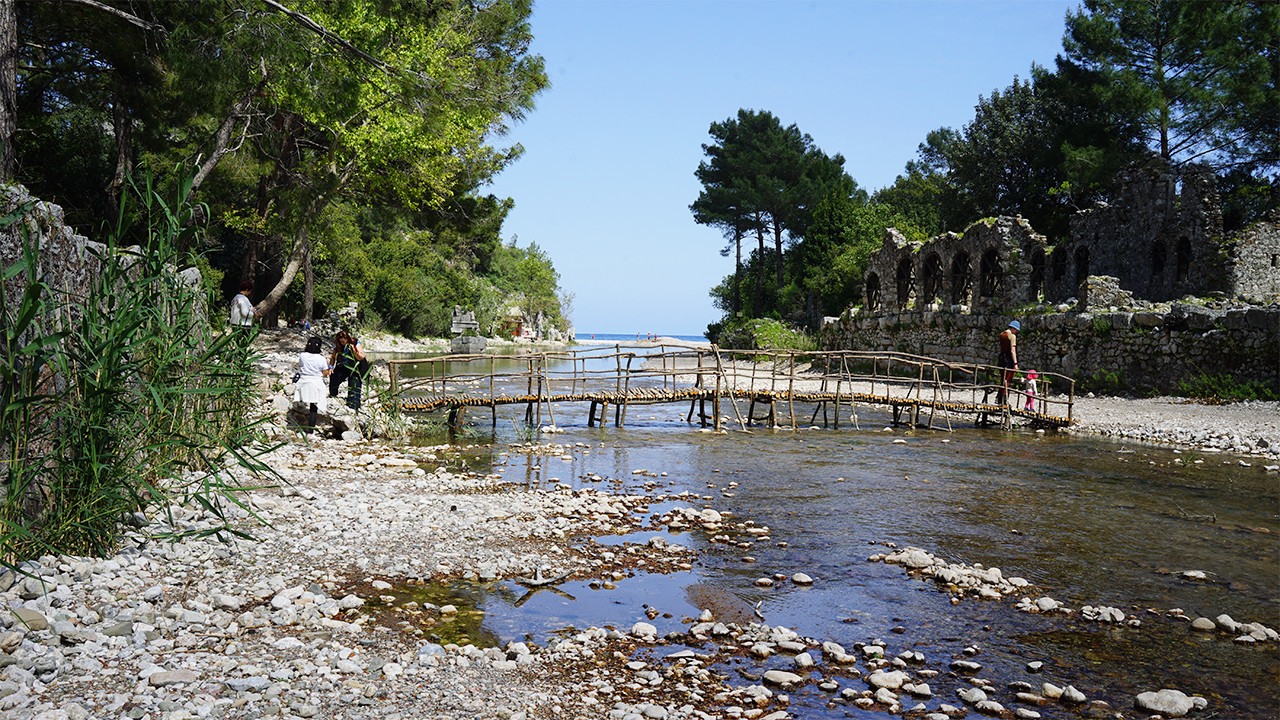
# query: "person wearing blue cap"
{"points": [[1008, 357]]}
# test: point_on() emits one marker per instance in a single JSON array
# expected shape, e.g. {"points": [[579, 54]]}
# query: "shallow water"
{"points": [[1087, 521]]}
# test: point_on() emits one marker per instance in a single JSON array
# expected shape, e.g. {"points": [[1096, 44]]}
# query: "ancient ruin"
{"points": [[1147, 291], [1162, 239]]}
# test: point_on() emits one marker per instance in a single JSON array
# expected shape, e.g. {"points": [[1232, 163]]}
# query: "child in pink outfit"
{"points": [[1032, 397]]}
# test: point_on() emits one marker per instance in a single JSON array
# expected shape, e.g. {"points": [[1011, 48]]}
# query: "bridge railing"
{"points": [[626, 373]]}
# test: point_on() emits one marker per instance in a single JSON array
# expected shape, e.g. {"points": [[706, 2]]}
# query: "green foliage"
{"points": [[1102, 382], [309, 128], [1101, 326], [134, 404], [763, 334], [1197, 78], [1225, 388], [833, 257]]}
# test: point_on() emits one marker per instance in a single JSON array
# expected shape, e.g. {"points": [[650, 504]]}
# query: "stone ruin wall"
{"points": [[996, 263], [950, 296], [1254, 267], [63, 258], [1148, 350], [1161, 244]]}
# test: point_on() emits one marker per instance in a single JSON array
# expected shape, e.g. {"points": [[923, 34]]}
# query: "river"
{"points": [[1086, 521]]}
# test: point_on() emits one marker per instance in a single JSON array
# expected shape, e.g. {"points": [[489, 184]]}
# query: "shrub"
{"points": [[763, 334], [1225, 388]]}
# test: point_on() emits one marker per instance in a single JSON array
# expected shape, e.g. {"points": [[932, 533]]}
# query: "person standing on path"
{"points": [[1008, 357], [309, 387], [349, 365], [242, 315]]}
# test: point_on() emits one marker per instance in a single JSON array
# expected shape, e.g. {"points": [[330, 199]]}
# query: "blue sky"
{"points": [[606, 180]]}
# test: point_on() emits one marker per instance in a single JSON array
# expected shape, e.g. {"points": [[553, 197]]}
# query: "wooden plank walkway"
{"points": [[920, 391]]}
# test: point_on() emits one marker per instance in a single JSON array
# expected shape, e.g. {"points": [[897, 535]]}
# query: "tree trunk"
{"points": [[222, 137], [757, 302], [737, 273], [124, 147], [301, 254], [777, 245], [308, 289], [8, 85]]}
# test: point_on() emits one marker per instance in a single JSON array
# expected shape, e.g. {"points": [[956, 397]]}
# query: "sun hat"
{"points": [[1032, 375], [1015, 324]]}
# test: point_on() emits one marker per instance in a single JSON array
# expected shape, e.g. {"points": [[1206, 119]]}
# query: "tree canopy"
{"points": [[289, 116], [764, 178]]}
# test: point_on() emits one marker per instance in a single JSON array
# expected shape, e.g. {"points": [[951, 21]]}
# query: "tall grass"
{"points": [[117, 396]]}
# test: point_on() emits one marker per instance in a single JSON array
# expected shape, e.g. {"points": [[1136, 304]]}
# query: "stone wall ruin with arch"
{"points": [[1162, 239]]}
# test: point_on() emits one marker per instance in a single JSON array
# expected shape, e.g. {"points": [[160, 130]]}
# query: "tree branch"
{"points": [[134, 19], [334, 39], [222, 138]]}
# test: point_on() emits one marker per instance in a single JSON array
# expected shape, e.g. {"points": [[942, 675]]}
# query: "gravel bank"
{"points": [[1247, 428]]}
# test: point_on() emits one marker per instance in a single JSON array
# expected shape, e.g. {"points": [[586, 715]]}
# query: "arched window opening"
{"points": [[961, 279], [1035, 290], [906, 282], [932, 278], [1184, 258], [1058, 259], [989, 272], [1082, 265], [1159, 258], [873, 292]]}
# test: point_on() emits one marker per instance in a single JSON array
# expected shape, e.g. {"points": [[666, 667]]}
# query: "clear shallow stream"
{"points": [[1086, 521]]}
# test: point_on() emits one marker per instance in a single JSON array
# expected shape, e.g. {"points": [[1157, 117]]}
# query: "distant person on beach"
{"points": [[349, 365], [309, 387], [1008, 358]]}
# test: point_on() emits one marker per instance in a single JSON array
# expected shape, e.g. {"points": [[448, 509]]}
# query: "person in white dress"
{"points": [[311, 388]]}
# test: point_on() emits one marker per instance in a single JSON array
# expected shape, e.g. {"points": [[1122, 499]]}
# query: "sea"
{"points": [[634, 337]]}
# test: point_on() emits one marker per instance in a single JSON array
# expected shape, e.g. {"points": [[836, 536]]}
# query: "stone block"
{"points": [[1148, 319], [1120, 320], [1201, 319], [1264, 318], [1237, 319]]}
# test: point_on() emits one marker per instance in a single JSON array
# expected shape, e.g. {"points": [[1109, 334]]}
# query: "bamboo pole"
{"points": [[791, 384], [626, 389], [720, 372]]}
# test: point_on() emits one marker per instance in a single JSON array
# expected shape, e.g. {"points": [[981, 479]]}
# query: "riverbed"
{"points": [[1088, 522]]}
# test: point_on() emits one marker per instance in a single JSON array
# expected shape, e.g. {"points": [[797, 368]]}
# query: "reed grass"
{"points": [[118, 398]]}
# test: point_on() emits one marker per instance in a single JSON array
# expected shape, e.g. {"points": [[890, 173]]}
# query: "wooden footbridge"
{"points": [[773, 388]]}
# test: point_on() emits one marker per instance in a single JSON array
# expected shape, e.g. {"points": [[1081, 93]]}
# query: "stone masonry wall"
{"points": [[1255, 261], [63, 257], [1149, 350]]}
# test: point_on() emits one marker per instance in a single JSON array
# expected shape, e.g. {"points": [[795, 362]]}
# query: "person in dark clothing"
{"points": [[349, 365], [1008, 357]]}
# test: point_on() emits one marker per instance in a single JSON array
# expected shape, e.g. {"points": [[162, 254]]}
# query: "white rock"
{"points": [[782, 677], [971, 695], [892, 680], [1170, 703], [644, 630]]}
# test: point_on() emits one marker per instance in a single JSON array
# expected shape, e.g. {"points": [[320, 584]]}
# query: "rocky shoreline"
{"points": [[297, 622]]}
